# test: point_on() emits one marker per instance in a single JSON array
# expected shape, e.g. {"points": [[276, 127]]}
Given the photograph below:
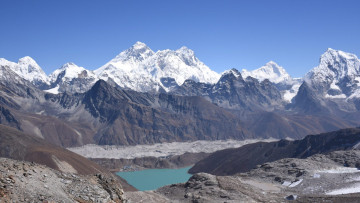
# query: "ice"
{"points": [[340, 96], [334, 86], [290, 94], [294, 184], [159, 149], [340, 170], [286, 183], [356, 94], [348, 190], [54, 90]]}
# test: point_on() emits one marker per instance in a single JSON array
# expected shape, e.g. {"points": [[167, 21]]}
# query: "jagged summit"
{"points": [[337, 75], [343, 54], [28, 69], [140, 69], [271, 71], [139, 45], [278, 75], [137, 52], [233, 71], [69, 71], [71, 78], [26, 60], [68, 64], [186, 50]]}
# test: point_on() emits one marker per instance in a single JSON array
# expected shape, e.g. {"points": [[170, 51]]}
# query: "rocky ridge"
{"points": [[232, 91], [242, 159], [276, 74]]}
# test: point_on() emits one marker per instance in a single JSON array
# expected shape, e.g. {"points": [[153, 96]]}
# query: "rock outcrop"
{"points": [[29, 182]]}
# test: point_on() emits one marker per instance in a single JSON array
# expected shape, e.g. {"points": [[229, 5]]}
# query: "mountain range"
{"points": [[141, 69], [142, 97]]}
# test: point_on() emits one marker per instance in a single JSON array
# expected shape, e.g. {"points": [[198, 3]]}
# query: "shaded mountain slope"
{"points": [[17, 145], [285, 125], [136, 118], [243, 159], [232, 91]]}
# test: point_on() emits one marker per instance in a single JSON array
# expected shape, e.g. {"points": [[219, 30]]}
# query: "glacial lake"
{"points": [[152, 179]]}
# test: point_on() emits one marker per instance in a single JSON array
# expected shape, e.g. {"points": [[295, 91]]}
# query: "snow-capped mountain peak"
{"points": [[339, 63], [140, 69], [127, 60], [137, 52], [71, 78], [334, 65], [28, 69], [27, 60], [139, 45], [186, 51], [70, 71], [338, 53], [4, 62], [271, 71], [287, 85], [337, 75], [233, 71]]}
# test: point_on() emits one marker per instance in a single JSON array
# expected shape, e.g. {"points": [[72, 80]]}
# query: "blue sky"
{"points": [[224, 34]]}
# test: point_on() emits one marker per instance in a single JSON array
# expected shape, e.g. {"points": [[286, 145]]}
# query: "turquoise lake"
{"points": [[152, 179]]}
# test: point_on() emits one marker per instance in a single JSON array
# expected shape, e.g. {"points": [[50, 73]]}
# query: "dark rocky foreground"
{"points": [[73, 178], [17, 145], [29, 182]]}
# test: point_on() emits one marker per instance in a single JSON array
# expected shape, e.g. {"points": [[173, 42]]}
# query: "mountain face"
{"points": [[28, 69], [332, 86], [82, 109], [130, 117], [233, 92], [137, 68], [270, 71], [141, 69], [71, 78], [337, 76], [276, 74]]}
